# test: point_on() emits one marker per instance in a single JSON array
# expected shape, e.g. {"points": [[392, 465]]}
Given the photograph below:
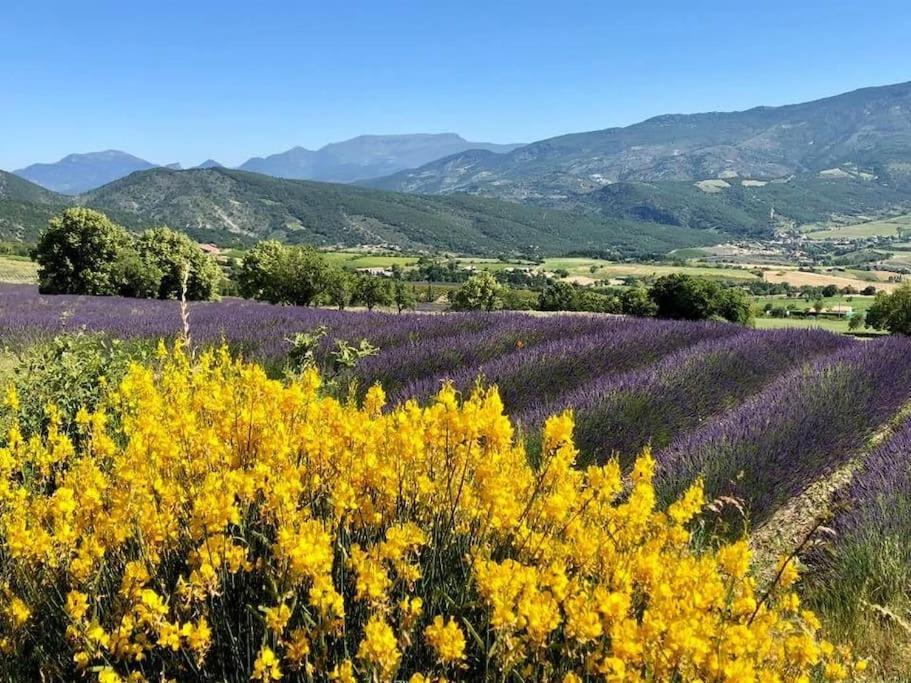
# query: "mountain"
{"points": [[867, 130], [77, 173], [24, 207], [366, 156], [230, 206], [210, 163]]}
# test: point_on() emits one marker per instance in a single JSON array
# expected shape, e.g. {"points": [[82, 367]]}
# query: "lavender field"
{"points": [[759, 414]]}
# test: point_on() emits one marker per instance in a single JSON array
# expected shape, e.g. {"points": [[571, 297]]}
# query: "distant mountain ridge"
{"points": [[77, 173], [366, 156], [868, 128]]}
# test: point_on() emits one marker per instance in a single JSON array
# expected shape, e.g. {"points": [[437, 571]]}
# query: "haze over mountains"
{"points": [[363, 157], [670, 181]]}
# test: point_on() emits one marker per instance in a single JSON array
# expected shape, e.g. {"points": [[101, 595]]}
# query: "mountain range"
{"points": [[867, 129], [363, 157], [670, 181]]}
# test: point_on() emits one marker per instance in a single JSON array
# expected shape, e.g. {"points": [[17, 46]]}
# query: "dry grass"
{"points": [[799, 278], [18, 271]]}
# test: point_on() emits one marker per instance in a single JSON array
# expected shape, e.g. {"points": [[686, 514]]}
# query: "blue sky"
{"points": [[183, 81]]}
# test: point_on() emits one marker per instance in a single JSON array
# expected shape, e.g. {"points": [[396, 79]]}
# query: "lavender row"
{"points": [[619, 415], [871, 553], [396, 367], [798, 429], [545, 372]]}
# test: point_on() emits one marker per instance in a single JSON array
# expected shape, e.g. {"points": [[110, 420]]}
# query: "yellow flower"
{"points": [[379, 648], [447, 639], [266, 666], [277, 617]]}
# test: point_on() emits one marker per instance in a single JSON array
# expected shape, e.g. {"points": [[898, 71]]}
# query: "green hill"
{"points": [[25, 207], [237, 207]]}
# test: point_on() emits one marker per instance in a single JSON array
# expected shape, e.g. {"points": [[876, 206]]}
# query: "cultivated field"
{"points": [[17, 270], [888, 227], [759, 416]]}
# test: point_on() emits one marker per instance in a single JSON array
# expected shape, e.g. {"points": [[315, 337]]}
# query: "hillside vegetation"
{"points": [[229, 206]]}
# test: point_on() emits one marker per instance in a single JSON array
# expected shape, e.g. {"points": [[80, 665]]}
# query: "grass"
{"points": [[18, 270], [353, 259], [769, 323], [878, 228], [858, 302]]}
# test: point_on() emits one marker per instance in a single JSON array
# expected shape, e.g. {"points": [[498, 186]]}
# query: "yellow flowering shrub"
{"points": [[216, 524]]}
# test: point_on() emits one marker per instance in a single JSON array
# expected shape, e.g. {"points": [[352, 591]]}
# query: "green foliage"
{"points": [[403, 295], [559, 296], [69, 371], [891, 312], [691, 298], [177, 257], [339, 289], [481, 292], [636, 301], [282, 274], [83, 252], [78, 252], [373, 291]]}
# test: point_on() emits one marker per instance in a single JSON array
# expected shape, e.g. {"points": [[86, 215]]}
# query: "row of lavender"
{"points": [[759, 414]]}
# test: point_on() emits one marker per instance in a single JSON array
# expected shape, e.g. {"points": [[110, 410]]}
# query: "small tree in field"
{"points": [[480, 293], [892, 312], [373, 291], [339, 288], [403, 295]]}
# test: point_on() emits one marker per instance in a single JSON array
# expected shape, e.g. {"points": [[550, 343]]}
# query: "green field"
{"points": [[879, 228], [18, 270]]}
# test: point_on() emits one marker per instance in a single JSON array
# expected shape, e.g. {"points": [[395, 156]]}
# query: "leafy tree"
{"points": [[403, 295], [855, 322], [682, 296], [177, 257], [636, 301], [77, 253], [282, 274], [734, 305], [480, 293], [869, 290], [257, 277], [559, 296], [135, 276], [891, 312], [373, 291], [830, 291], [339, 287]]}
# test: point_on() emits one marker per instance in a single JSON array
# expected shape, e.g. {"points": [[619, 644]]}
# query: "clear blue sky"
{"points": [[183, 81]]}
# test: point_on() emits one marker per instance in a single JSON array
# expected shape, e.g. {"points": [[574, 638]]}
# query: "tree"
{"points": [[480, 293], [282, 274], [855, 322], [257, 277], [830, 291], [373, 291], [403, 295], [135, 277], [691, 298], [339, 287], [179, 259], [682, 296], [869, 290], [636, 301], [734, 305], [559, 296], [891, 312], [77, 253]]}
